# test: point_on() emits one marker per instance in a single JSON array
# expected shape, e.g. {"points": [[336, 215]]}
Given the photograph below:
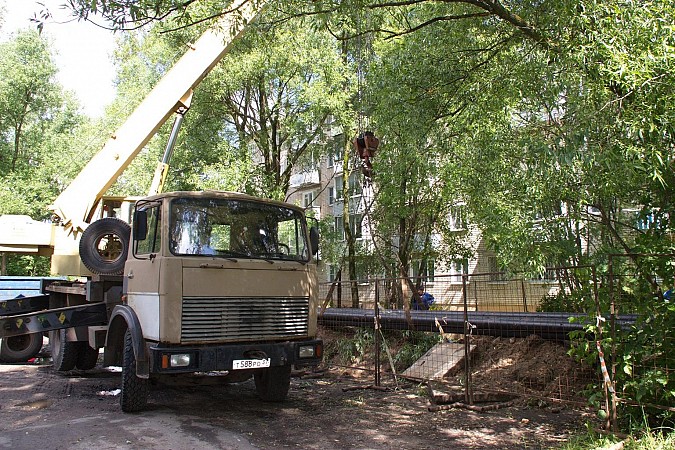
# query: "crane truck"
{"points": [[176, 282]]}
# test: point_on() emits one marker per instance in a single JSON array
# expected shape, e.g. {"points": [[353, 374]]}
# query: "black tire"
{"points": [[272, 384], [104, 246], [64, 353], [87, 357], [17, 349], [134, 395]]}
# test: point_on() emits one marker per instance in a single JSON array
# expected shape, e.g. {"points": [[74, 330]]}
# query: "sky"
{"points": [[82, 50]]}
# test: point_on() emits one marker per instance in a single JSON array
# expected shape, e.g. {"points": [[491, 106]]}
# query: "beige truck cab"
{"points": [[215, 282]]}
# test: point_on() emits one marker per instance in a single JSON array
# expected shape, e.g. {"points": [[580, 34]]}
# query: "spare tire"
{"points": [[104, 246]]}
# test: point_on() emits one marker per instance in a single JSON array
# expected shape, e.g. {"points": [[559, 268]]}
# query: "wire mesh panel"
{"points": [[520, 343], [482, 332], [639, 381]]}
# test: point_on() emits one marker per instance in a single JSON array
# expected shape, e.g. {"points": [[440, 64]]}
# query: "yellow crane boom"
{"points": [[171, 95]]}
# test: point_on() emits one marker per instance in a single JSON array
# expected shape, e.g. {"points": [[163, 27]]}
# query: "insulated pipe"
{"points": [[550, 326]]}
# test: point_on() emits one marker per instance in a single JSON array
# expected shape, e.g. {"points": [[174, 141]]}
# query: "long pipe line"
{"points": [[551, 326]]}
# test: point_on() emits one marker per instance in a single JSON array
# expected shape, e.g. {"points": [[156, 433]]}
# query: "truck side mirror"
{"points": [[314, 239], [140, 225]]}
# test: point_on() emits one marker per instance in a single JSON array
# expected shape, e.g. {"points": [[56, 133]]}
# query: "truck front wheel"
{"points": [[17, 349], [134, 395], [272, 384], [64, 353]]}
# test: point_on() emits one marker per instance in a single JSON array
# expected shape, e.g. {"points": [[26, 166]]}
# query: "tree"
{"points": [[38, 127], [552, 78], [272, 104], [35, 118], [552, 121], [27, 95]]}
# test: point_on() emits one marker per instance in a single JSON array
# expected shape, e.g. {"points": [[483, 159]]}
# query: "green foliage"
{"points": [[28, 95], [359, 348], [643, 365], [650, 440], [29, 266], [38, 128], [271, 104], [553, 125], [638, 356], [351, 349], [563, 301]]}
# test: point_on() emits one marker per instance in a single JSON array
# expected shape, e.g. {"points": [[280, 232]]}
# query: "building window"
{"points": [[459, 267], [549, 274], [335, 191], [427, 274], [355, 187], [355, 225], [339, 228], [496, 272], [554, 209], [335, 157], [644, 220], [333, 271], [308, 199], [457, 217]]}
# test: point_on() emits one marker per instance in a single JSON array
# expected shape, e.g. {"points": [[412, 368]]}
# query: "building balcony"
{"points": [[305, 179]]}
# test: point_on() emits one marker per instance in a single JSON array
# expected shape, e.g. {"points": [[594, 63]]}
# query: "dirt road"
{"points": [[40, 408]]}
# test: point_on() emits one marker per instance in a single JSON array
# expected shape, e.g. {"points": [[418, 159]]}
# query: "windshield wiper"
{"points": [[229, 254]]}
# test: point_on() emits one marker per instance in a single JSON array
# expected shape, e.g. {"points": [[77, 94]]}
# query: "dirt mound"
{"points": [[528, 367]]}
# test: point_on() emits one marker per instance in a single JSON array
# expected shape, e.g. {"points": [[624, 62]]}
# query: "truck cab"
{"points": [[216, 282]]}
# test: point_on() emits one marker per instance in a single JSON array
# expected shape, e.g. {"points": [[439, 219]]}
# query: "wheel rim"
{"points": [[18, 343], [55, 341], [109, 247]]}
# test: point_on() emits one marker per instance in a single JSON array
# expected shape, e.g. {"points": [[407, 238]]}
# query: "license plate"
{"points": [[250, 363]]}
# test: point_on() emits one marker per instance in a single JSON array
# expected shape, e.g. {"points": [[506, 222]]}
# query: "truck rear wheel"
{"points": [[87, 357], [134, 395], [104, 246], [64, 353], [272, 384], [16, 349]]}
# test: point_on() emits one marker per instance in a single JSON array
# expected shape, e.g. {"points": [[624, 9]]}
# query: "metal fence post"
{"points": [[339, 292], [468, 395], [612, 324], [522, 287], [376, 308]]}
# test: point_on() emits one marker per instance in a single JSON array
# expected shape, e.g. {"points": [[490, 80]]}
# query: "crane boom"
{"points": [[74, 205]]}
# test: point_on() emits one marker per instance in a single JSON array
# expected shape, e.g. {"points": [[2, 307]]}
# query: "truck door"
{"points": [[143, 268]]}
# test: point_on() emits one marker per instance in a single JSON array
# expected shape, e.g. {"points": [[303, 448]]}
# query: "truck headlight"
{"points": [[179, 360], [308, 351]]}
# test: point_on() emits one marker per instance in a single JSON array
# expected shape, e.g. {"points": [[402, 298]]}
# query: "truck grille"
{"points": [[243, 318]]}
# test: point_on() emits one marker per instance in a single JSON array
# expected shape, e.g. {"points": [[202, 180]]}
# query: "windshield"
{"points": [[236, 229]]}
